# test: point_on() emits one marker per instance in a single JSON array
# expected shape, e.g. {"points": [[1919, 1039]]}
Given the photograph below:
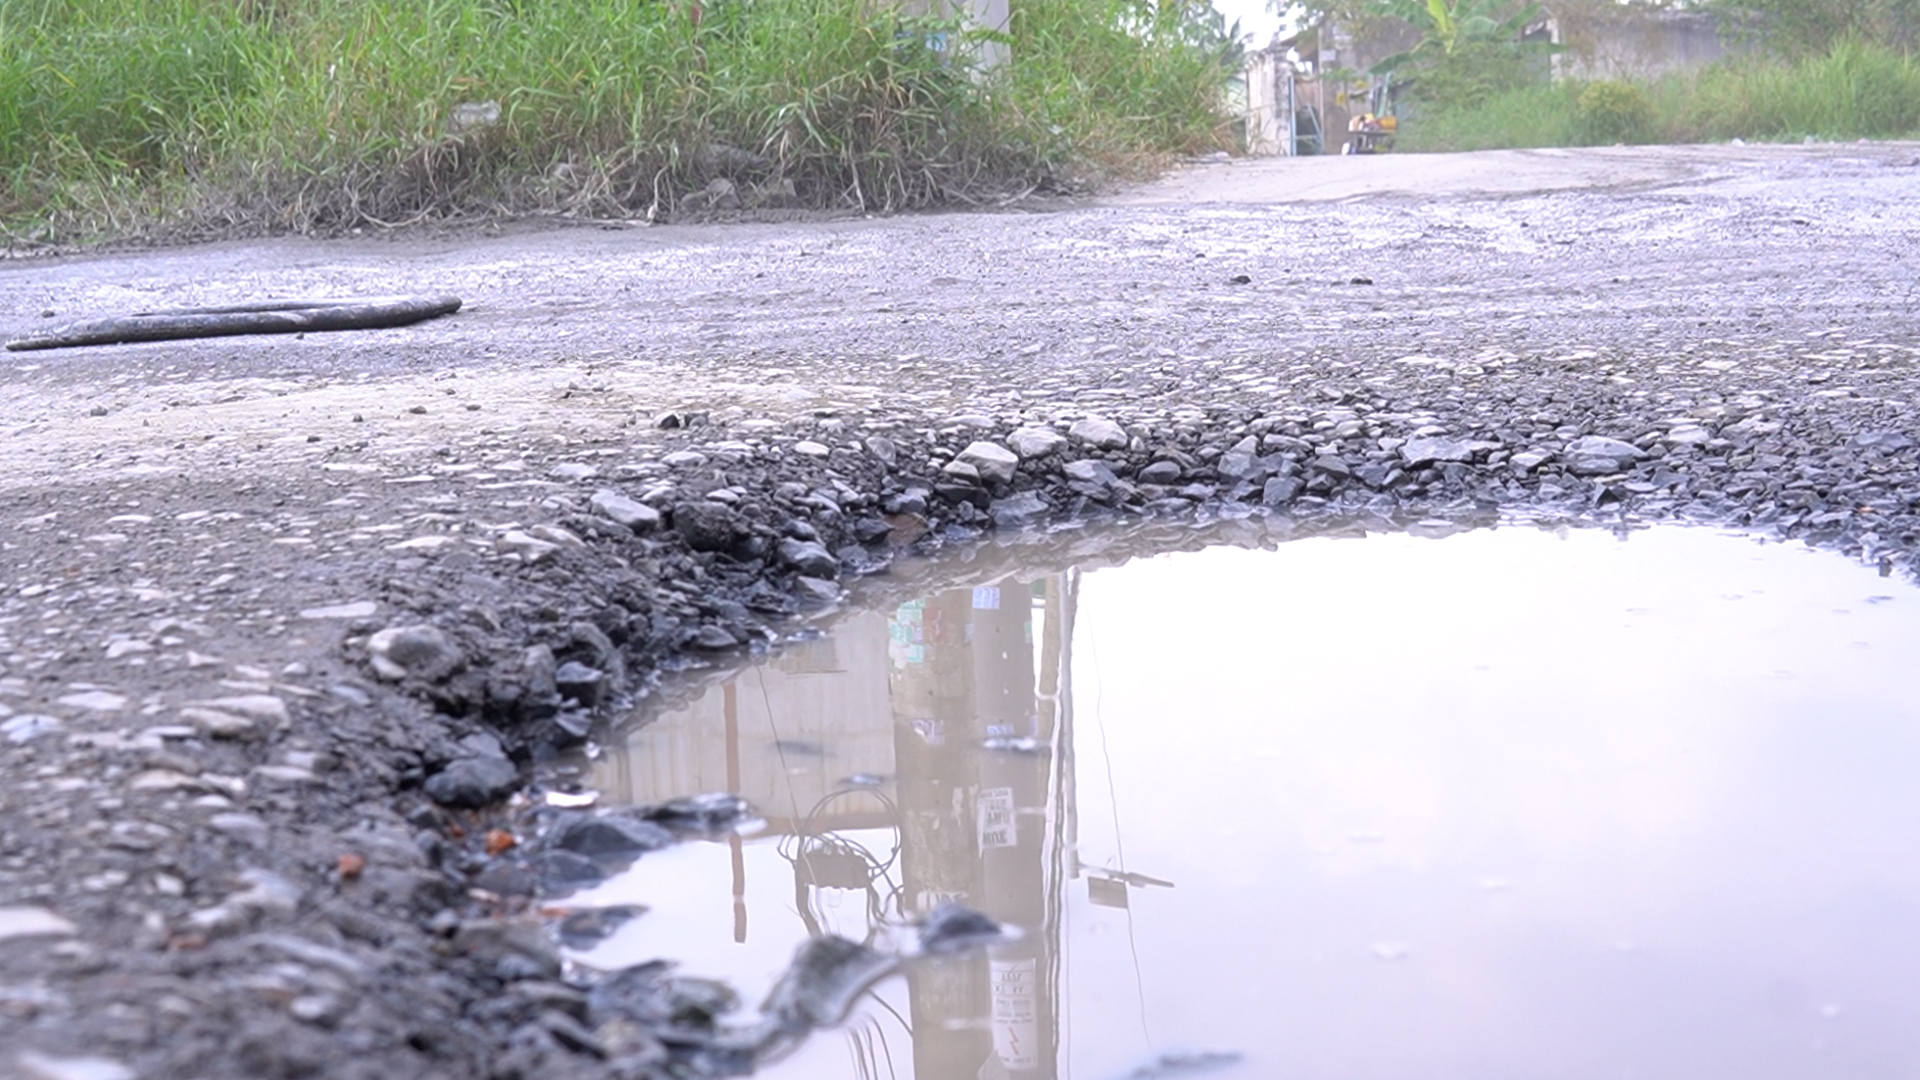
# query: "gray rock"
{"points": [[585, 929], [1887, 442], [24, 922], [814, 590], [421, 652], [262, 707], [1100, 432], [809, 558], [472, 782], [1332, 465], [1238, 465], [1602, 446], [651, 996], [573, 470], [962, 471], [1598, 466], [708, 526], [1374, 474], [29, 726], [706, 813], [995, 463], [809, 448], [248, 828], [357, 609], [622, 510], [95, 700], [1022, 509], [684, 459], [608, 838], [955, 928], [1160, 472], [266, 892], [529, 547], [1424, 450], [1089, 471], [586, 685], [35, 1066], [1033, 442], [1528, 460], [883, 448], [1280, 491], [569, 1033], [515, 948], [827, 975], [1597, 455], [715, 637]]}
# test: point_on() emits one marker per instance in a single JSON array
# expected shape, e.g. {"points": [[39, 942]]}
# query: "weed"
{"points": [[233, 116]]}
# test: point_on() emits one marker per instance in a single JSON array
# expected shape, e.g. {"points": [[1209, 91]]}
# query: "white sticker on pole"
{"points": [[1016, 1014], [998, 827]]}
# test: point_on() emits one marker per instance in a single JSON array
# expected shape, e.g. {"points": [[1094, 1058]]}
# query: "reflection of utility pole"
{"points": [[1013, 829], [1055, 700], [730, 706], [977, 740]]}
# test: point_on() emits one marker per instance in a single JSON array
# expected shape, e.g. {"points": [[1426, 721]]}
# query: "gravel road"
{"points": [[297, 635]]}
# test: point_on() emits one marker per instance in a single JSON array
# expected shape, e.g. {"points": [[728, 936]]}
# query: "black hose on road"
{"points": [[265, 317]]}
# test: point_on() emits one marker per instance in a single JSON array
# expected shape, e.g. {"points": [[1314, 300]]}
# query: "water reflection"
{"points": [[1504, 805]]}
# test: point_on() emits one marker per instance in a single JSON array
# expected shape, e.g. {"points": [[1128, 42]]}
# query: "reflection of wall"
{"points": [[909, 697], [809, 717]]}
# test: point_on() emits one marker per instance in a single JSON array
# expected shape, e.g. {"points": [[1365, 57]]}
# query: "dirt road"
{"points": [[225, 847]]}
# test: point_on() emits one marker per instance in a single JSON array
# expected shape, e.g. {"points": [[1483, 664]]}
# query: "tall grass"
{"points": [[304, 115], [1855, 90]]}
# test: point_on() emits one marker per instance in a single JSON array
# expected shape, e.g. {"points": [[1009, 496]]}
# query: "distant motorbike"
{"points": [[1370, 134]]}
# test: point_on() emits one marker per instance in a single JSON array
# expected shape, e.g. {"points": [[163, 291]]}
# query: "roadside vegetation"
{"points": [[219, 117], [1800, 69], [1856, 90]]}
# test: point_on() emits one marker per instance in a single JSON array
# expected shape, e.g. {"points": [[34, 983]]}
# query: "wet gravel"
{"points": [[299, 643]]}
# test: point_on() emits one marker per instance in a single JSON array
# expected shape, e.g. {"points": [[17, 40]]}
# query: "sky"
{"points": [[1254, 18]]}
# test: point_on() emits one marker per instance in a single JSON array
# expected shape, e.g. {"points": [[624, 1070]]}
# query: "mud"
{"points": [[639, 450]]}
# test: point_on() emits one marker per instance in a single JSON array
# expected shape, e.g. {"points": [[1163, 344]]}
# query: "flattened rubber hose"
{"points": [[266, 317]]}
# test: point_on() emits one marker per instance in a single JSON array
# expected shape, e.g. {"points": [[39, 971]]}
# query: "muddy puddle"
{"points": [[1512, 803]]}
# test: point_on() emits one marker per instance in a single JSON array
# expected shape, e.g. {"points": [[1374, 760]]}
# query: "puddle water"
{"points": [[1508, 804]]}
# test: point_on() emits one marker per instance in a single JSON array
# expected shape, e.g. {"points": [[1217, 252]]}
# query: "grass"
{"points": [[183, 117], [1856, 90]]}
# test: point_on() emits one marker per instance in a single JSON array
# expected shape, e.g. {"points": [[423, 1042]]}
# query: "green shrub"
{"points": [[1614, 112], [1524, 116]]}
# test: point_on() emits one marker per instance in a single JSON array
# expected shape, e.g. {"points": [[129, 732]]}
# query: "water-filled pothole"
{"points": [[1515, 803]]}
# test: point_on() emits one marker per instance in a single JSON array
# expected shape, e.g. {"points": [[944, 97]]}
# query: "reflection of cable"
{"points": [[805, 842], [887, 1005], [786, 774], [868, 1033], [862, 1039], [1113, 802]]}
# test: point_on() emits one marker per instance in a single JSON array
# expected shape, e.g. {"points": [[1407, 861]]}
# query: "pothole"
{"points": [[1516, 801]]}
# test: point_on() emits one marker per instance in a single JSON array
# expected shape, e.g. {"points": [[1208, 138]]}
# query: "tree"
{"points": [[1451, 27]]}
